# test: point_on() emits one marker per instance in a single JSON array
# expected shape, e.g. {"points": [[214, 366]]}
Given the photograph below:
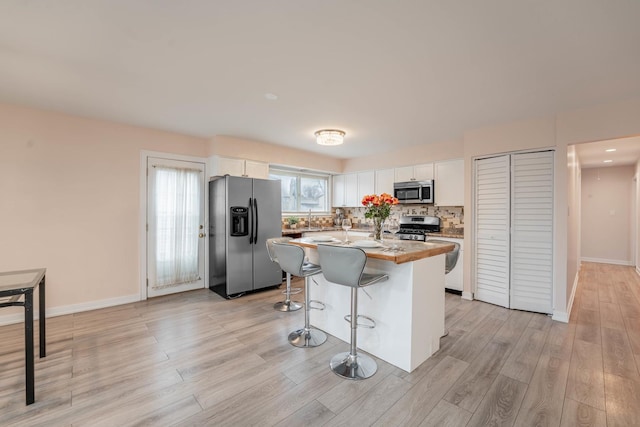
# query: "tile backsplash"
{"points": [[452, 217], [316, 221]]}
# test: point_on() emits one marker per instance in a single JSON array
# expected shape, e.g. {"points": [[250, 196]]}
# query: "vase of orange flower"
{"points": [[378, 208]]}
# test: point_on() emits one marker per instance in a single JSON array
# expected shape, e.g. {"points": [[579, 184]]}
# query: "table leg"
{"points": [[42, 321], [28, 346]]}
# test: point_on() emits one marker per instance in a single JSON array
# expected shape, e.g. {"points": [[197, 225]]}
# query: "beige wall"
{"points": [[606, 214], [408, 156], [228, 146], [70, 200], [607, 121]]}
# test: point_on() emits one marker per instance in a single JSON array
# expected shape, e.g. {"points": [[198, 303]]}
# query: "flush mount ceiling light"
{"points": [[329, 137], [607, 161], [610, 150]]}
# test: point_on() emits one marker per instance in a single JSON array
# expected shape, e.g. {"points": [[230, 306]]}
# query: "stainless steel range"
{"points": [[416, 227]]}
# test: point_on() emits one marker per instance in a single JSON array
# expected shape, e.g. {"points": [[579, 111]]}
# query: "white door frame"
{"points": [[142, 224]]}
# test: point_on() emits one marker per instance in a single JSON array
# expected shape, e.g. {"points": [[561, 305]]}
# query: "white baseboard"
{"points": [[70, 309], [467, 295], [607, 261], [564, 316]]}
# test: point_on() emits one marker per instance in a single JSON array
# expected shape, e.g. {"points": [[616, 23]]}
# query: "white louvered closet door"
{"points": [[492, 191], [532, 231]]}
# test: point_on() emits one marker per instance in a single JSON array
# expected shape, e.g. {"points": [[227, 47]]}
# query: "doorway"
{"points": [[608, 200], [174, 226]]}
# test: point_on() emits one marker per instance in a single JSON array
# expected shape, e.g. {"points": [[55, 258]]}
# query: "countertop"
{"points": [[411, 251], [288, 231]]}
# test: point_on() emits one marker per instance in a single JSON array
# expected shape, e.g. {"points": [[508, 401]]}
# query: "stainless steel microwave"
{"points": [[414, 191]]}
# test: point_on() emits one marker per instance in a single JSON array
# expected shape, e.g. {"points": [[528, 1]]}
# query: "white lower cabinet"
{"points": [[453, 280]]}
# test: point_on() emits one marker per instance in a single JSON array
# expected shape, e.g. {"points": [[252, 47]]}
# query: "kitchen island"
{"points": [[408, 308]]}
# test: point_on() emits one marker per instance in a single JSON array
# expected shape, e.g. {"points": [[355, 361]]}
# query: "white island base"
{"points": [[408, 310]]}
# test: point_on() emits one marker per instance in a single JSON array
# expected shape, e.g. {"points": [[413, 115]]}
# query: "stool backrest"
{"points": [[270, 242], [290, 257], [342, 265]]}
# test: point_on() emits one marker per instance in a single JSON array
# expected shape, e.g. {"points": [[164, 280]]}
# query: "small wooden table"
{"points": [[15, 284]]}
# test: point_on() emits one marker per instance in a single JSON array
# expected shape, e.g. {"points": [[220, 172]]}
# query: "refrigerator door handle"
{"points": [[255, 208], [250, 220]]}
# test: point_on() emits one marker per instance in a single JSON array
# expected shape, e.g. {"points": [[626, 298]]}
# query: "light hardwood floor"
{"points": [[196, 359]]}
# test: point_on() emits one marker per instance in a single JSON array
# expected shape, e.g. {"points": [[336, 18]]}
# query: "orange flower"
{"points": [[378, 206]]}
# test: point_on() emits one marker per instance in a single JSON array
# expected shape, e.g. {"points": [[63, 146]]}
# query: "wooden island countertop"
{"points": [[411, 251]]}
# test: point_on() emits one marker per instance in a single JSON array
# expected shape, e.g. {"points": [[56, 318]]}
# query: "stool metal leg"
{"points": [[352, 365], [307, 337], [287, 304]]}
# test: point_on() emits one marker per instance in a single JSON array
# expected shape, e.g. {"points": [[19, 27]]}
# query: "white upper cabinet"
{"points": [[449, 183], [338, 190], [348, 189], [366, 184], [256, 169], [225, 166], [239, 167], [414, 173], [384, 179], [351, 189]]}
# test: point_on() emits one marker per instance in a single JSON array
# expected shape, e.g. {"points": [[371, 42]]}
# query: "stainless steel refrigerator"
{"points": [[243, 214]]}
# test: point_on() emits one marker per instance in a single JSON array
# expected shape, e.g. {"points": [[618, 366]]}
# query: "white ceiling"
{"points": [[593, 155], [389, 73]]}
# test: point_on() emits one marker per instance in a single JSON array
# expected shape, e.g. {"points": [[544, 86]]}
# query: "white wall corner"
{"points": [[573, 295], [467, 295]]}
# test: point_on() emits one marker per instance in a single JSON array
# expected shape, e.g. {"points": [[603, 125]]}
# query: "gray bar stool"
{"points": [[291, 260], [345, 266], [287, 304]]}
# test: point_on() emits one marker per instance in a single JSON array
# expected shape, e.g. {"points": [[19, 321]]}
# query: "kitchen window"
{"points": [[302, 191]]}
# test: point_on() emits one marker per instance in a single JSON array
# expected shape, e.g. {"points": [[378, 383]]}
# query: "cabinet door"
{"points": [[256, 169], [384, 181], [404, 174], [366, 184], [351, 190], [338, 190], [423, 172], [492, 222], [227, 166], [532, 232], [449, 183]]}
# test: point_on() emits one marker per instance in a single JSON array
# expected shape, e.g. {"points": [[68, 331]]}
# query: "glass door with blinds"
{"points": [[175, 226], [514, 230]]}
